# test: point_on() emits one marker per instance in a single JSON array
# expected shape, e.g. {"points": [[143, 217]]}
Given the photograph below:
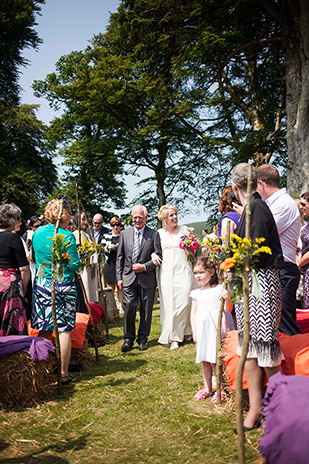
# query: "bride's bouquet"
{"points": [[189, 243]]}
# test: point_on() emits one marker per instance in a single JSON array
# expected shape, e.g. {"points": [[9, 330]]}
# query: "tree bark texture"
{"points": [[297, 94]]}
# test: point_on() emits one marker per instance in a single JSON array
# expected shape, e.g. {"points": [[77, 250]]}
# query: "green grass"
{"points": [[129, 408]]}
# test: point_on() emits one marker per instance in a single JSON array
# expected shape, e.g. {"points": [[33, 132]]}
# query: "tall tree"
{"points": [[17, 19], [27, 172]]}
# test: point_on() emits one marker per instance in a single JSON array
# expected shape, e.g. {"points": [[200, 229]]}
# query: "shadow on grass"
{"points": [[44, 456]]}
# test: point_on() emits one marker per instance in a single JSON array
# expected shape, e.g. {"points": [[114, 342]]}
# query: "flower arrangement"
{"points": [[190, 244], [59, 254], [213, 248], [85, 251], [239, 248]]}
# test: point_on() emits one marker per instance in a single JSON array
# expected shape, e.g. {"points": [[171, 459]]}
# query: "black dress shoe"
{"points": [[256, 425], [142, 346], [127, 346]]}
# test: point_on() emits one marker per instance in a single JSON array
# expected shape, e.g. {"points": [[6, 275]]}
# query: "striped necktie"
{"points": [[136, 246]]}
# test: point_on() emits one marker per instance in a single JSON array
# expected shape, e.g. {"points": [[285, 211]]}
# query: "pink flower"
{"points": [[182, 245], [194, 245]]}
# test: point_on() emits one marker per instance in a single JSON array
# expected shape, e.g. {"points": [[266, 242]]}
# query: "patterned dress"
{"points": [[265, 312], [305, 248], [12, 303], [41, 317]]}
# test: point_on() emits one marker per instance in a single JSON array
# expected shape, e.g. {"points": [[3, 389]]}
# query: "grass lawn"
{"points": [[128, 408]]}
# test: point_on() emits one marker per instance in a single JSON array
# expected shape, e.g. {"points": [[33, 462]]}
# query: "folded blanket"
{"points": [[38, 347]]}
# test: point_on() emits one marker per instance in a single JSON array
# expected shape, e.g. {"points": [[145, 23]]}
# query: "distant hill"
{"points": [[198, 226]]}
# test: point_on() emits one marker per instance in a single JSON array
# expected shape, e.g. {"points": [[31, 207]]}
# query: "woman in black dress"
{"points": [[110, 243], [264, 351]]}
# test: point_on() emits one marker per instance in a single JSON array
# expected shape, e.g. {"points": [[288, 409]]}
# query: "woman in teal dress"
{"points": [[41, 317]]}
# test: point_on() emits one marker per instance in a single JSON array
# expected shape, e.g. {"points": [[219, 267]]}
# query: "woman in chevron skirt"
{"points": [[264, 352], [41, 317]]}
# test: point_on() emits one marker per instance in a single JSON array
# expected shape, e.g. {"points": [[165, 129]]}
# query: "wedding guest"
{"points": [[288, 222], [14, 273], [264, 352], [136, 277], [42, 318], [176, 280], [88, 274], [110, 242], [303, 263], [98, 229], [229, 216]]}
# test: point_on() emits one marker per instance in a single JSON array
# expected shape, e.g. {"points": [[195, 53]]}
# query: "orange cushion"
{"points": [[77, 335], [295, 350]]}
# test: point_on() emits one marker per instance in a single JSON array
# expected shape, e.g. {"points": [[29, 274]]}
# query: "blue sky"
{"points": [[64, 26]]}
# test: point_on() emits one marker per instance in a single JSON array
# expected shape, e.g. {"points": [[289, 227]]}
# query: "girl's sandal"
{"points": [[214, 398], [202, 394]]}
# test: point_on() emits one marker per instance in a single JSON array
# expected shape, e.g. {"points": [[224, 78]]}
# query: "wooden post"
{"points": [[82, 284], [219, 344], [246, 332], [53, 304], [102, 298], [91, 316]]}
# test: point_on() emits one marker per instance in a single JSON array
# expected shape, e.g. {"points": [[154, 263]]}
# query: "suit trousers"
{"points": [[289, 277], [131, 296]]}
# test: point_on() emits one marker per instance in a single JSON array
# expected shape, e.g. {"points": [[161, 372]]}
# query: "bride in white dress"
{"points": [[176, 280]]}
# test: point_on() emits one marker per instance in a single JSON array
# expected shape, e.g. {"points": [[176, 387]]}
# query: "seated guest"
{"points": [[303, 262], [14, 273]]}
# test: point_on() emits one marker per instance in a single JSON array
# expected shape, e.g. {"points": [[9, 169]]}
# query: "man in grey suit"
{"points": [[136, 277]]}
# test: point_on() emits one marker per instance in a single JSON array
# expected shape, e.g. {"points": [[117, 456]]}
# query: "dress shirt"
{"points": [[288, 222]]}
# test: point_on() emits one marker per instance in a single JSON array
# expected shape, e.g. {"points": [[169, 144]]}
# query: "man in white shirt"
{"points": [[287, 218]]}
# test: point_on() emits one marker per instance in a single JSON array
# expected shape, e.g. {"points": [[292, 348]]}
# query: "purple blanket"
{"points": [[286, 408], [38, 347]]}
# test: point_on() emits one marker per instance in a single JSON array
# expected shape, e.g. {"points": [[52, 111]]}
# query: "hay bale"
{"points": [[82, 356], [23, 381]]}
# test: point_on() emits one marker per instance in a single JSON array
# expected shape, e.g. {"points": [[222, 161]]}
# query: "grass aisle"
{"points": [[129, 408]]}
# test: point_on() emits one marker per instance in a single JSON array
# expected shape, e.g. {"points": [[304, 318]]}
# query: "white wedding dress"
{"points": [[176, 280]]}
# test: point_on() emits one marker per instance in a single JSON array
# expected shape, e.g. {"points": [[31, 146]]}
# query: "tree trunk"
{"points": [[297, 101]]}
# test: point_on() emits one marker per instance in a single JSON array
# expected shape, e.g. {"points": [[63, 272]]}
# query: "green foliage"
{"points": [[17, 19], [27, 171]]}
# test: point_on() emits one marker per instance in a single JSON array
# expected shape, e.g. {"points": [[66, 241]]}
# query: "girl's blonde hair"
{"points": [[52, 210]]}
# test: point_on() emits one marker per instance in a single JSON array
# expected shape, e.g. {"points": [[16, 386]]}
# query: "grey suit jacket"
{"points": [[124, 272]]}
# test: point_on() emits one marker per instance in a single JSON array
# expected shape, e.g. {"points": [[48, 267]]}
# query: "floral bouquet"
{"points": [[213, 249], [190, 244], [85, 251], [238, 249]]}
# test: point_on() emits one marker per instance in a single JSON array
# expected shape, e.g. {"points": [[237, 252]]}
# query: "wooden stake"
{"points": [[80, 279], [53, 304], [91, 316], [102, 297], [219, 341], [246, 332]]}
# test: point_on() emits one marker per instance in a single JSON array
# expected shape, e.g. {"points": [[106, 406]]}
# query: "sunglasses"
{"points": [[115, 225], [35, 226], [97, 222], [302, 204]]}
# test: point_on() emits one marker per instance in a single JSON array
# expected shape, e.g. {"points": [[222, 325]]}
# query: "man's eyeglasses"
{"points": [[97, 222], [115, 225]]}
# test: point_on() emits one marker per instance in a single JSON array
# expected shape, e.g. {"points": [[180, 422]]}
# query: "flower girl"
{"points": [[204, 319]]}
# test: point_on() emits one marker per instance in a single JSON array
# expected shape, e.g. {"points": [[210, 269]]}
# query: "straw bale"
{"points": [[23, 381], [82, 356]]}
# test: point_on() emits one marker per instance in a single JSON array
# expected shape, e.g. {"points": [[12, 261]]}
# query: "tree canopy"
{"points": [[187, 89]]}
